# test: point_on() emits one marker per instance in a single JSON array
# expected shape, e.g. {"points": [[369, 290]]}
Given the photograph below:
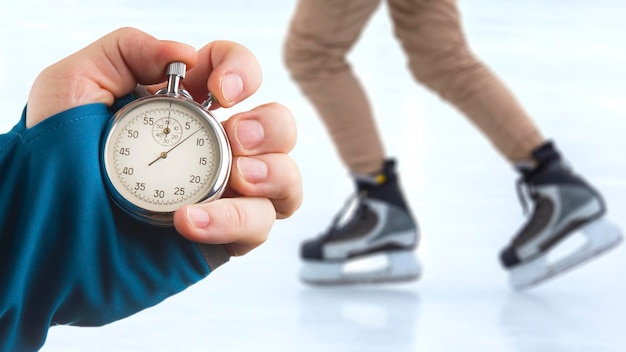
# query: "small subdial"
{"points": [[167, 131]]}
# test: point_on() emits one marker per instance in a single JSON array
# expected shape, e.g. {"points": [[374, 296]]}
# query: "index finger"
{"points": [[228, 70]]}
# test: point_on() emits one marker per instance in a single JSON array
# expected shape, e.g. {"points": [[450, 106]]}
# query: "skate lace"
{"points": [[350, 213], [525, 191]]}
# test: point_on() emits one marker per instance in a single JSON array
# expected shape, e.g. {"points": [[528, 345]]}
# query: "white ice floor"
{"points": [[564, 59]]}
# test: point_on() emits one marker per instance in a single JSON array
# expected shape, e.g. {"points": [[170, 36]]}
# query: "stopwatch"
{"points": [[163, 151]]}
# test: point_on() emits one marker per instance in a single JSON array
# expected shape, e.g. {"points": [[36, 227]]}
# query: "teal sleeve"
{"points": [[67, 254]]}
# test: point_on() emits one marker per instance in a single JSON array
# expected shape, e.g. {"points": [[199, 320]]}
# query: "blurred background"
{"points": [[565, 62]]}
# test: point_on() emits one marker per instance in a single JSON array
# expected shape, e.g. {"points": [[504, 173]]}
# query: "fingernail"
{"points": [[252, 170], [232, 87], [198, 217], [249, 133]]}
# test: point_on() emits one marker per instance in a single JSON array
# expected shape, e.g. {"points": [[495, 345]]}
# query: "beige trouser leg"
{"points": [[323, 31], [320, 36]]}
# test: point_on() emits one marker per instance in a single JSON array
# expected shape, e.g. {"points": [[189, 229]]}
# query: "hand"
{"points": [[265, 183]]}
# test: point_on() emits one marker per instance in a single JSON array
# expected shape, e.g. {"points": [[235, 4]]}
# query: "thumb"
{"points": [[106, 69]]}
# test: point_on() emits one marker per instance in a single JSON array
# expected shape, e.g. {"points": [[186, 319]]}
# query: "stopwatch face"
{"points": [[163, 152]]}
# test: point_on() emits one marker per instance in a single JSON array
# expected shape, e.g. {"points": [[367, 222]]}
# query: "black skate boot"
{"points": [[562, 204], [375, 221]]}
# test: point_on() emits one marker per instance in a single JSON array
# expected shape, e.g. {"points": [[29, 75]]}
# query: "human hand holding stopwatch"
{"points": [[264, 182]]}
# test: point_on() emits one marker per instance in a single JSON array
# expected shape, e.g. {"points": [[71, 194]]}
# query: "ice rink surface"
{"points": [[565, 61]]}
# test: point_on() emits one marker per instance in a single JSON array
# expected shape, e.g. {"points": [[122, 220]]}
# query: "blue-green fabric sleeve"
{"points": [[68, 255]]}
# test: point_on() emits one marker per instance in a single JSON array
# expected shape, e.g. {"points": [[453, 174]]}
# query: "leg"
{"points": [[320, 35], [431, 35], [381, 225]]}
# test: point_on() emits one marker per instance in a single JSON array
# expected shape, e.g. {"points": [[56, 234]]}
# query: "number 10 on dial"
{"points": [[164, 151]]}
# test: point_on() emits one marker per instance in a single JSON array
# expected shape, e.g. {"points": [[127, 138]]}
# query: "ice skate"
{"points": [[372, 239], [564, 206]]}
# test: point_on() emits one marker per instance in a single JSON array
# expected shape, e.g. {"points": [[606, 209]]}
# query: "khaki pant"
{"points": [[322, 32]]}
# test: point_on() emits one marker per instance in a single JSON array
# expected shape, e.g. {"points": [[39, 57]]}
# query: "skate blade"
{"points": [[601, 235], [391, 267]]}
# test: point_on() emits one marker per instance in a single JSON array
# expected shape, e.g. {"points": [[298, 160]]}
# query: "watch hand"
{"points": [[163, 155]]}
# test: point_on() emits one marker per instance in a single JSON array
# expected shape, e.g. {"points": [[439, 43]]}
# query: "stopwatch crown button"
{"points": [[176, 69]]}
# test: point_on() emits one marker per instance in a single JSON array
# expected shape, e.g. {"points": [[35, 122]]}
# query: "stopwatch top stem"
{"points": [[175, 73]]}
